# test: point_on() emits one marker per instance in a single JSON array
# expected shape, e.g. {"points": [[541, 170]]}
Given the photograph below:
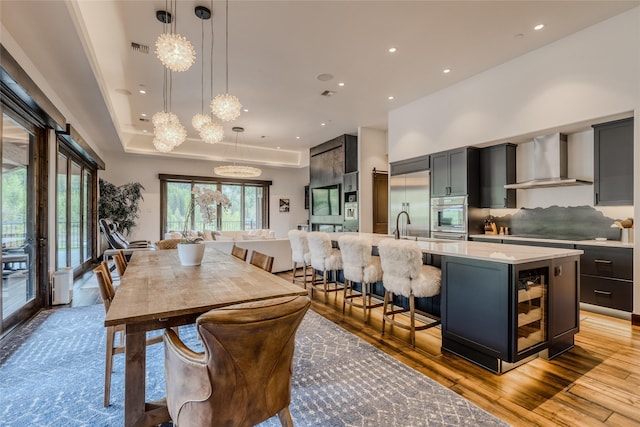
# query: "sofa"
{"points": [[260, 240]]}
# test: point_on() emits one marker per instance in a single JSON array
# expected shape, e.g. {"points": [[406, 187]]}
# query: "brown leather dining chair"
{"points": [[261, 260], [243, 377], [108, 292], [240, 253]]}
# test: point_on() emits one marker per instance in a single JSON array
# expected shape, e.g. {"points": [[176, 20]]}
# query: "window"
{"points": [[248, 211]]}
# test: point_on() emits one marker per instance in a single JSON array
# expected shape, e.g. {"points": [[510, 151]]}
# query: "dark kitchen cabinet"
{"points": [[497, 169], [495, 312], [613, 163], [606, 276], [456, 173]]}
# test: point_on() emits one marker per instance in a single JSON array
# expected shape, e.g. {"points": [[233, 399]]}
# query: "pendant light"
{"points": [[173, 50], [234, 170], [225, 106]]}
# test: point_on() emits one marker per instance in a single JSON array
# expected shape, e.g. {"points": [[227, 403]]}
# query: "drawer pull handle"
{"points": [[608, 294], [602, 261]]}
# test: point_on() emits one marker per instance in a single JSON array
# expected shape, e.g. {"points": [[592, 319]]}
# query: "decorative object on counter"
{"points": [[626, 229], [562, 223], [489, 225]]}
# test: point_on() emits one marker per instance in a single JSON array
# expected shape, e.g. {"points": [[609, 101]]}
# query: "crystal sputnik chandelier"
{"points": [[237, 171], [225, 106], [173, 50]]}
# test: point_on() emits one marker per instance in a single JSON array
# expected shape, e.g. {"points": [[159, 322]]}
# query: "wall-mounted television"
{"points": [[325, 201]]}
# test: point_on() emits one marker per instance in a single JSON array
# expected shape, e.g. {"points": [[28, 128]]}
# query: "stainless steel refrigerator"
{"points": [[410, 192]]}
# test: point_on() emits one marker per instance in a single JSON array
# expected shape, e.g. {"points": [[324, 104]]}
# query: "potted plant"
{"points": [[190, 250], [120, 204]]}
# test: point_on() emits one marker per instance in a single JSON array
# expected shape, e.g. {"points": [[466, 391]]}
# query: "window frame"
{"points": [[218, 181]]}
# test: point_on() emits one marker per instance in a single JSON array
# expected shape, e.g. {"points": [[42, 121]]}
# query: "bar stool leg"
{"points": [[347, 285], [364, 301], [412, 331], [384, 309]]}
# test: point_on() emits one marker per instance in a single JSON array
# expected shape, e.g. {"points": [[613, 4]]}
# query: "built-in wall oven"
{"points": [[449, 218]]}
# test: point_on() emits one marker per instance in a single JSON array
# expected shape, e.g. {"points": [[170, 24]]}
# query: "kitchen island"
{"points": [[502, 305]]}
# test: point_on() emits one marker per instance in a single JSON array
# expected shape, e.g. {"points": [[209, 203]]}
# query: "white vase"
{"points": [[190, 253]]}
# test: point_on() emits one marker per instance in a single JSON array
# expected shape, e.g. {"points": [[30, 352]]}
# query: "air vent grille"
{"points": [[141, 48], [327, 93]]}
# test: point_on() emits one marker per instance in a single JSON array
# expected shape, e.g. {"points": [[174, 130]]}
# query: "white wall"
{"points": [[121, 169], [588, 75], [372, 153]]}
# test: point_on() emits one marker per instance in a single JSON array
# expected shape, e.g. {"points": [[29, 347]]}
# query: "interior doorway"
{"points": [[380, 202]]}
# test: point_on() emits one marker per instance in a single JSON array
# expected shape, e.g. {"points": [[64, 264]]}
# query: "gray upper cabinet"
{"points": [[497, 168], [613, 163], [456, 173]]}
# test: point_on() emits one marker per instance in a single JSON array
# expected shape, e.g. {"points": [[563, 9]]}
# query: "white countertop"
{"points": [[495, 252], [609, 243]]}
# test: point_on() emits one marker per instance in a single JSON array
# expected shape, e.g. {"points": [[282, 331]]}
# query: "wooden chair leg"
{"points": [[108, 365], [324, 284], [285, 417], [293, 277], [364, 301], [347, 284], [412, 314], [384, 309]]}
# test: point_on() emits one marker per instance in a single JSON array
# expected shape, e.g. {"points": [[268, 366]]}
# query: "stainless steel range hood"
{"points": [[549, 164]]}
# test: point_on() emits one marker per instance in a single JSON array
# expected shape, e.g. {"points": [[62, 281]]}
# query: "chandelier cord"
{"points": [[226, 50], [211, 57], [202, 66]]}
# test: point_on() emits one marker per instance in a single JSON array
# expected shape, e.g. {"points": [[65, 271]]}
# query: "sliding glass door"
{"points": [[19, 291], [74, 203]]}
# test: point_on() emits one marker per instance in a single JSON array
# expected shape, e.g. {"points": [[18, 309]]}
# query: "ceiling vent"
{"points": [[143, 119], [327, 93], [141, 48]]}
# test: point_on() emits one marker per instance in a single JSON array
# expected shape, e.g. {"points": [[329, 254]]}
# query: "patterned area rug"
{"points": [[52, 375]]}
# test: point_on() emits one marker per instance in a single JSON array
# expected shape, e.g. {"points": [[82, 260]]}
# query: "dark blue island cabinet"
{"points": [[500, 314]]}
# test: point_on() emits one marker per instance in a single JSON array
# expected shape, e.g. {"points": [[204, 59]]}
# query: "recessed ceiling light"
{"points": [[446, 70], [246, 110], [323, 124], [341, 84], [297, 137], [143, 114], [144, 130], [390, 98], [538, 27], [142, 91], [393, 50]]}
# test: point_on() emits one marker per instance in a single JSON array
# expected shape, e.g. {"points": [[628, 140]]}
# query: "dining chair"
{"points": [[261, 260], [120, 259], [167, 244], [326, 259], [108, 292], [299, 255], [359, 266], [403, 273], [240, 253], [243, 377]]}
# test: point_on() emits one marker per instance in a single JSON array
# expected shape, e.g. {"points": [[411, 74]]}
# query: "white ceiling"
{"points": [[276, 51]]}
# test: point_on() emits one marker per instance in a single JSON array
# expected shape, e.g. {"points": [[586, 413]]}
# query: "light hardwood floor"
{"points": [[596, 383]]}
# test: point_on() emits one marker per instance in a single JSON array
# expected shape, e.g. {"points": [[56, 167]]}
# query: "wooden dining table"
{"points": [[157, 292]]}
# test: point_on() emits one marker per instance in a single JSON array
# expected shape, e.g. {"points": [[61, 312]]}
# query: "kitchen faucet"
{"points": [[397, 232]]}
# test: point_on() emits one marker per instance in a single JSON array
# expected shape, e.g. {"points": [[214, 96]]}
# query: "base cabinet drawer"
{"points": [[609, 262], [605, 292]]}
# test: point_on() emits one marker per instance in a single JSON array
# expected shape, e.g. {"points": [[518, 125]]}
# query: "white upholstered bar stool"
{"points": [[404, 274], [360, 267], [325, 259], [299, 255]]}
